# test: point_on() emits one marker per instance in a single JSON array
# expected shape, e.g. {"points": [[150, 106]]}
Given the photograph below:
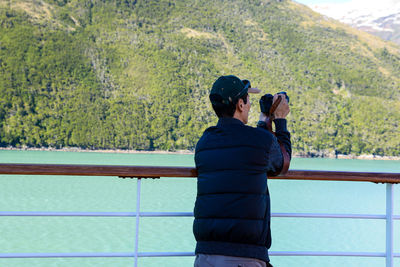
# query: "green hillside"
{"points": [[135, 74]]}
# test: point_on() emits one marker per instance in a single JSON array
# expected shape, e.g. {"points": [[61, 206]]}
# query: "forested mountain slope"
{"points": [[136, 74]]}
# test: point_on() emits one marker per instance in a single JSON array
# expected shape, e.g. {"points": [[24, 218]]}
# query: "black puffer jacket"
{"points": [[232, 210]]}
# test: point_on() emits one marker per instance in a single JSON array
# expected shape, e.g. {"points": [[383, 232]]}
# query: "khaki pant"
{"points": [[203, 260]]}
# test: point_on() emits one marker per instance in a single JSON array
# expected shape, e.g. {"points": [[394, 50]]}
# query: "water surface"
{"points": [[79, 193]]}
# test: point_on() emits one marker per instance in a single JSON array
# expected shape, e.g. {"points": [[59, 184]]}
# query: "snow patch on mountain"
{"points": [[378, 17], [362, 13]]}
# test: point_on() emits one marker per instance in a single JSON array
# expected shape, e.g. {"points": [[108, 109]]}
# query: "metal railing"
{"points": [[140, 172]]}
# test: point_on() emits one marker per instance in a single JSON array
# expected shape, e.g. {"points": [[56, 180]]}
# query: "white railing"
{"points": [[389, 217]]}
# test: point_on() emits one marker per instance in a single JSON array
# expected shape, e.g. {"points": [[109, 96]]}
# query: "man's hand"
{"points": [[283, 108], [263, 117]]}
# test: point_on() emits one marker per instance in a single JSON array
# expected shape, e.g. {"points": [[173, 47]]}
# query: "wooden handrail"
{"points": [[156, 172]]}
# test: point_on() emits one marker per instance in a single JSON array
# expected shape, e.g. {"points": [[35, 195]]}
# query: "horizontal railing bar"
{"points": [[331, 215], [67, 214], [183, 254], [184, 214], [166, 214], [153, 172], [68, 255], [165, 254], [97, 170], [341, 176], [328, 253], [95, 214]]}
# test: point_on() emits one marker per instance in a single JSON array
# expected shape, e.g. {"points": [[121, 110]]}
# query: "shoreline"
{"points": [[188, 152], [76, 149]]}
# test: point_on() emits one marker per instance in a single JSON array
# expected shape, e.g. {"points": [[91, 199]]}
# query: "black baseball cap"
{"points": [[230, 88]]}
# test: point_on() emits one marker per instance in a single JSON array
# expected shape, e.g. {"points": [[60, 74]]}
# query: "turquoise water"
{"points": [[74, 234]]}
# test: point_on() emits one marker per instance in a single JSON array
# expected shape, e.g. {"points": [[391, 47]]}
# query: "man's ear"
{"points": [[239, 105]]}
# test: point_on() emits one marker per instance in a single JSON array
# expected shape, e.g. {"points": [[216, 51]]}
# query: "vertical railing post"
{"points": [[389, 225], [137, 220]]}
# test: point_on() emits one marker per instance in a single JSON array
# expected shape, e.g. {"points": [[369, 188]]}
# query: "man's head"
{"points": [[229, 97]]}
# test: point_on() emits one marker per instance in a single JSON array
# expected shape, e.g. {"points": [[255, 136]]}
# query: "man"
{"points": [[232, 210]]}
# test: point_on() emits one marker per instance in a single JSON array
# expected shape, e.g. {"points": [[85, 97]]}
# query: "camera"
{"points": [[266, 102]]}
